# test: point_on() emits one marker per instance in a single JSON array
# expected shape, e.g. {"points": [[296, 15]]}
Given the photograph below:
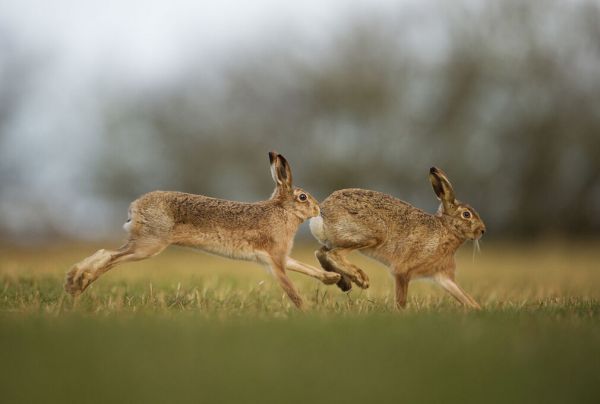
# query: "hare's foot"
{"points": [[361, 279], [345, 284], [78, 279], [329, 278]]}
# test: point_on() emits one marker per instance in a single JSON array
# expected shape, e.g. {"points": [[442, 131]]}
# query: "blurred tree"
{"points": [[505, 96], [509, 107]]}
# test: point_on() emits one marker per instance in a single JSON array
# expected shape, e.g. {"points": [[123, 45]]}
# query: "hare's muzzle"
{"points": [[316, 211], [481, 232]]}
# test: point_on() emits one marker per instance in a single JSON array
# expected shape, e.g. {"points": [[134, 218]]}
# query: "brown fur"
{"points": [[262, 232], [413, 243]]}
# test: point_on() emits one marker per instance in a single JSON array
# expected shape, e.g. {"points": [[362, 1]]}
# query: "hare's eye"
{"points": [[302, 197], [466, 214]]}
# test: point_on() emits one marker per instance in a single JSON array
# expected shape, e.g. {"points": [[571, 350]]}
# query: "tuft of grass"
{"points": [[184, 327]]}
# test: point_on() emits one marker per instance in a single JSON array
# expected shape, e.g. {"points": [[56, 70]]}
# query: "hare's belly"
{"points": [[229, 251], [218, 243], [408, 252], [377, 254]]}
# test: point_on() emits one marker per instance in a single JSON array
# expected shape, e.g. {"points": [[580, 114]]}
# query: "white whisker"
{"points": [[475, 248]]}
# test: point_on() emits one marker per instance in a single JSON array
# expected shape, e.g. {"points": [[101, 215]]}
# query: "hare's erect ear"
{"points": [[442, 187], [280, 170]]}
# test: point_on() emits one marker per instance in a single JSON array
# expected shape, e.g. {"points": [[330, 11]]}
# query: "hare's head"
{"points": [[295, 200], [464, 218]]}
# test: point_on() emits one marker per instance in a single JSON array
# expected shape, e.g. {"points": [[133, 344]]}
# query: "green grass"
{"points": [[185, 327]]}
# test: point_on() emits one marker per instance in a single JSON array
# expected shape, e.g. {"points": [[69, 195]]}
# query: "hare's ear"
{"points": [[442, 187], [280, 170]]}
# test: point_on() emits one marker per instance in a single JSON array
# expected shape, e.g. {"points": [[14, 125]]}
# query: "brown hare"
{"points": [[262, 232], [413, 243]]}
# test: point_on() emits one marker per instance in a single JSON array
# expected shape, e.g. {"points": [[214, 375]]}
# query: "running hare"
{"points": [[413, 243], [262, 232]]}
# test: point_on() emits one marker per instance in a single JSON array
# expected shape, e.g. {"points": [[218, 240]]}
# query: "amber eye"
{"points": [[466, 214], [302, 197]]}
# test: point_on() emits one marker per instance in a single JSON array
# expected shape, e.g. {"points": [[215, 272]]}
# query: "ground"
{"points": [[187, 327]]}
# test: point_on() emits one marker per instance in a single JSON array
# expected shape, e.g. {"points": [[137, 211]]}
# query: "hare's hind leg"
{"points": [[327, 278], [345, 284], [87, 271], [456, 291], [335, 260]]}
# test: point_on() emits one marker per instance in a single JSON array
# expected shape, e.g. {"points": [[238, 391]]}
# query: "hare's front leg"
{"points": [[327, 278], [402, 281], [278, 269], [456, 291]]}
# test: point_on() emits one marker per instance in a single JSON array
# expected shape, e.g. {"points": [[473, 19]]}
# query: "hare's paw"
{"points": [[329, 278], [361, 279], [345, 284], [77, 281]]}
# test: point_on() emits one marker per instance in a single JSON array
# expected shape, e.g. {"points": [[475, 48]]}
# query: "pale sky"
{"points": [[78, 44], [146, 39], [81, 51]]}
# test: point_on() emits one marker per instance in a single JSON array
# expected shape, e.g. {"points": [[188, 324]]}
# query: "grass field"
{"points": [[187, 327]]}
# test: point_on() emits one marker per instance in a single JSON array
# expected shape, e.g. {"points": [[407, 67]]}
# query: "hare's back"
{"points": [[201, 211], [363, 202], [361, 210]]}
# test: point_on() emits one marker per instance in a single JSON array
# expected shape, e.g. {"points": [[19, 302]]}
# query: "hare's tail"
{"points": [[128, 224], [317, 228]]}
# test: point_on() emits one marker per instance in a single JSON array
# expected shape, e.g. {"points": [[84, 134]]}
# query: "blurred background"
{"points": [[101, 101]]}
